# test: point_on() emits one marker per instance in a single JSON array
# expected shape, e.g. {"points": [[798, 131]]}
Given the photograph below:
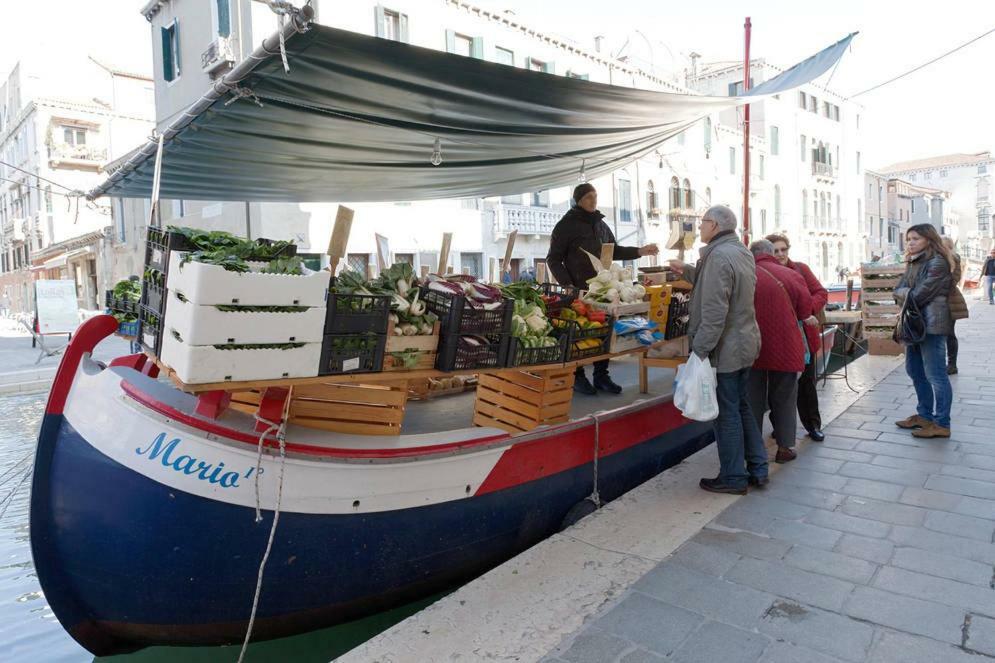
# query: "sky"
{"points": [[945, 108]]}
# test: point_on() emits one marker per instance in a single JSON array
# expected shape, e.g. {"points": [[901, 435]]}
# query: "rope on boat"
{"points": [[281, 436], [8, 499], [283, 9], [595, 496], [10, 474]]}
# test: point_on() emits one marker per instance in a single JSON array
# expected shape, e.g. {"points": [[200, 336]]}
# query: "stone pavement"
{"points": [[872, 546], [19, 372]]}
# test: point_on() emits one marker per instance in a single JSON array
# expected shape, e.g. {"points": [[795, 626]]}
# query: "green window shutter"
{"points": [[378, 18], [403, 20], [167, 55], [450, 41], [549, 67], [477, 48], [224, 18]]}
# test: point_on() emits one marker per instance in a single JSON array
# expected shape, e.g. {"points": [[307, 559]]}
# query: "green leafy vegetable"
{"points": [[230, 308], [258, 346]]}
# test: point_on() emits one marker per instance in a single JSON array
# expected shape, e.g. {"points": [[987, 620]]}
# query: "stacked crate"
{"points": [[356, 329], [470, 336], [879, 312]]}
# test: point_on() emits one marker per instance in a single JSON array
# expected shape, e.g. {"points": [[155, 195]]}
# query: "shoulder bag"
{"points": [[801, 325]]}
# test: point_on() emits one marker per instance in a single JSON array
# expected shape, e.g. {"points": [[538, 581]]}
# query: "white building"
{"points": [[967, 178], [61, 118], [809, 180]]}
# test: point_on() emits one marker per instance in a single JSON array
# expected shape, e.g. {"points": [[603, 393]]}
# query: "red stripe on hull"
{"points": [[540, 458], [87, 336]]}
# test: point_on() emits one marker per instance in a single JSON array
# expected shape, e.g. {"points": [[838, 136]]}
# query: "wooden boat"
{"points": [[143, 524]]}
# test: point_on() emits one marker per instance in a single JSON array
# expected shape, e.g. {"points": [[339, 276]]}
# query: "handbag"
{"points": [[801, 324], [911, 328]]}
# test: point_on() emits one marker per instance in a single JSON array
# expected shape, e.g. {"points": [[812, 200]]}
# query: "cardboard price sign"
{"points": [[447, 241], [383, 252], [512, 237], [340, 236]]}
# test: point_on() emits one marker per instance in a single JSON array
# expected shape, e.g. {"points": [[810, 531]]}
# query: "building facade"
{"points": [[968, 206], [61, 119]]}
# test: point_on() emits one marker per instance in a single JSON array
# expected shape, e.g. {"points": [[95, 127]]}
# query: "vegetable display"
{"points": [[478, 295], [233, 253], [614, 286], [408, 313]]}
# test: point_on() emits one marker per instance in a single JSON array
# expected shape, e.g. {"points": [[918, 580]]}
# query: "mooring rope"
{"points": [[281, 436], [9, 497], [595, 496]]}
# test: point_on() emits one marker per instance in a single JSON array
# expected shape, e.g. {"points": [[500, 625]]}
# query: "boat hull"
{"points": [[126, 560]]}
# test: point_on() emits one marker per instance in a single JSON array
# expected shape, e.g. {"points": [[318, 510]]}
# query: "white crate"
{"points": [[205, 284], [197, 364], [206, 325], [634, 308]]}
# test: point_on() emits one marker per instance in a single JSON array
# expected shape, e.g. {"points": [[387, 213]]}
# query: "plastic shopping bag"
{"points": [[694, 391]]}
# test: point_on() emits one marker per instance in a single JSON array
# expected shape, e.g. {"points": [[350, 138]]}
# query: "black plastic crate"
{"points": [[363, 353], [159, 243], [456, 356], [119, 304], [567, 294], [458, 316], [150, 332], [678, 313], [519, 355], [356, 314], [154, 295], [572, 330]]}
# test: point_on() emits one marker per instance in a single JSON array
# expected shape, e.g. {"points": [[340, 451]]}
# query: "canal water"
{"points": [[29, 630]]}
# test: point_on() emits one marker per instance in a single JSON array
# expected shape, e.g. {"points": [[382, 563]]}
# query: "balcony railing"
{"points": [[820, 169], [525, 219], [80, 153]]}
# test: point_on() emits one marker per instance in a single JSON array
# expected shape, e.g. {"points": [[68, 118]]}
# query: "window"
{"points": [[170, 51], [406, 258], [391, 24], [836, 112], [775, 141], [675, 193], [838, 219], [539, 65], [777, 205], [624, 200], [804, 208], [984, 217], [761, 168], [802, 101], [472, 264], [540, 198], [688, 195], [804, 146], [74, 136], [927, 175], [504, 56], [732, 160], [118, 212], [913, 203], [460, 44], [813, 104], [652, 205], [222, 17], [515, 199], [358, 262], [763, 222], [826, 109], [708, 136], [982, 169], [943, 173]]}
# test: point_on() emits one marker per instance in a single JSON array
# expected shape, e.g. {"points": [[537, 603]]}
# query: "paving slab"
{"points": [[822, 631]]}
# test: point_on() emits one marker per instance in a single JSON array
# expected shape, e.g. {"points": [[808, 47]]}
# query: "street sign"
{"points": [[57, 307]]}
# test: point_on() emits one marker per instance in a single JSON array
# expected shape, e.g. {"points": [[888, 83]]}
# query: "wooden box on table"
{"points": [[518, 401]]}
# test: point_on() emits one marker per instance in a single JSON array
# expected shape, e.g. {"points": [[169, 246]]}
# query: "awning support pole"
{"points": [[155, 218], [746, 139]]}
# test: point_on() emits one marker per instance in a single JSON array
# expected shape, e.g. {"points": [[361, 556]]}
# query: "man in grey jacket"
{"points": [[723, 328]]}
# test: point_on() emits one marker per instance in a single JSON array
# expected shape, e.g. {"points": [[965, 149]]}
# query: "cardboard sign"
{"points": [[447, 240], [383, 252], [506, 265], [57, 307], [340, 236], [607, 255], [492, 270], [541, 273]]}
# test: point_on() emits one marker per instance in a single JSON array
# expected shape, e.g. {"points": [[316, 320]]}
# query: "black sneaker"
{"points": [[604, 383], [583, 386], [816, 435], [758, 482], [716, 486]]}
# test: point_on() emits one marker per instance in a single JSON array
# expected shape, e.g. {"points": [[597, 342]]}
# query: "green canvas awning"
{"points": [[357, 119]]}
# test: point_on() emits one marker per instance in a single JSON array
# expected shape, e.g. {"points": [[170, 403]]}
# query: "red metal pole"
{"points": [[746, 139]]}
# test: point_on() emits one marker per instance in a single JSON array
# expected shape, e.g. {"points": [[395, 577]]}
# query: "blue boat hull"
{"points": [[127, 562]]}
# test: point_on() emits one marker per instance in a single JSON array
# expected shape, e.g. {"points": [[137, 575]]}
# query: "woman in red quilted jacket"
{"points": [[782, 301], [808, 397]]}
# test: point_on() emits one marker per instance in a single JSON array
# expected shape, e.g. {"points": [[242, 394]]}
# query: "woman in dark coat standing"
{"points": [[583, 227], [958, 309], [926, 282]]}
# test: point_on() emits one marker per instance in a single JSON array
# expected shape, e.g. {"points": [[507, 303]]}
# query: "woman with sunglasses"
{"points": [[808, 397], [926, 283]]}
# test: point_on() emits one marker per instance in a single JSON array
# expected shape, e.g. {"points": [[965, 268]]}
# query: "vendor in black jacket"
{"points": [[583, 227]]}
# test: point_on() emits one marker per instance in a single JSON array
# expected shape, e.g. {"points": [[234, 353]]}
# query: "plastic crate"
{"points": [[567, 294], [154, 295], [677, 322], [366, 357], [519, 355], [150, 336], [159, 243], [119, 305], [456, 356], [575, 333], [458, 316], [357, 314], [130, 329]]}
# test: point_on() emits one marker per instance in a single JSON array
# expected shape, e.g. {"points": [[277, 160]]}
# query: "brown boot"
{"points": [[931, 430], [784, 454], [915, 421]]}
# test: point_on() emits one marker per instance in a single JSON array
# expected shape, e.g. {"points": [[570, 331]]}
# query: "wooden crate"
{"points": [[426, 345], [884, 346], [364, 409], [878, 307], [518, 401]]}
